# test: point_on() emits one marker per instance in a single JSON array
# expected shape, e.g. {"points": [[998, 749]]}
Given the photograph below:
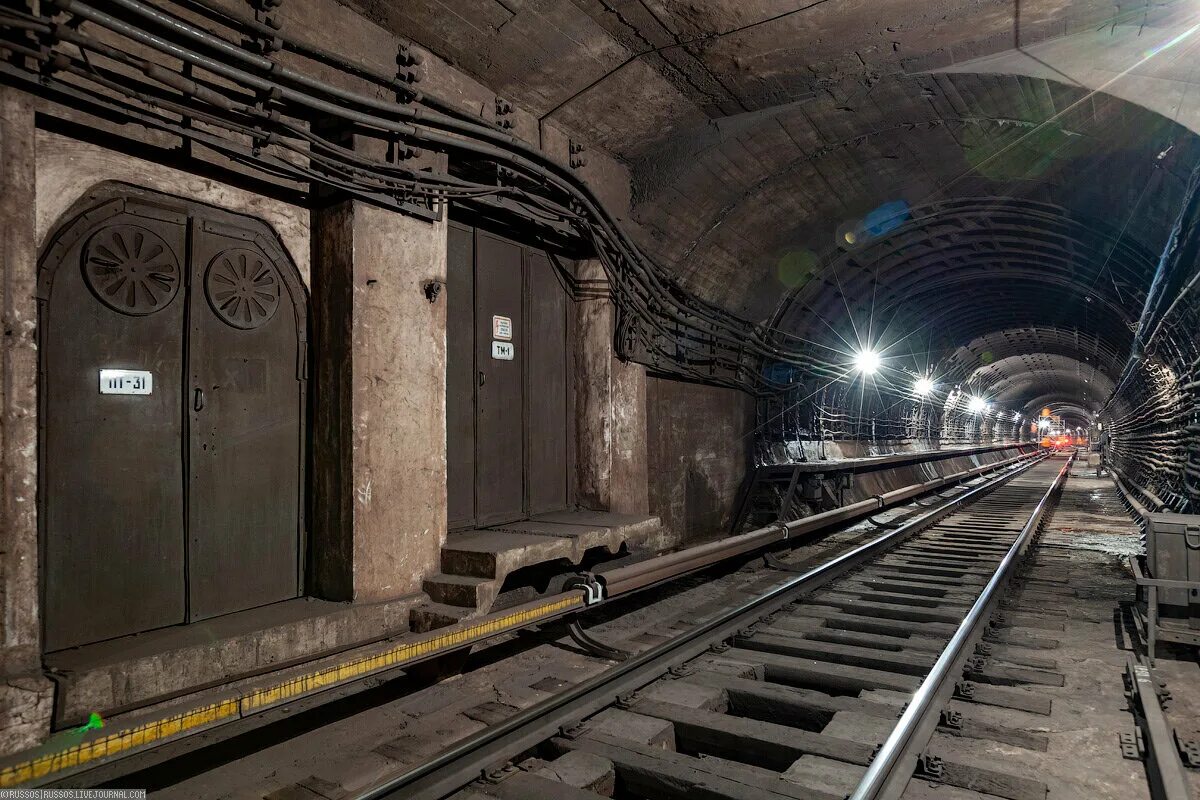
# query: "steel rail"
{"points": [[408, 651], [495, 745], [673, 565], [894, 765], [1164, 770]]}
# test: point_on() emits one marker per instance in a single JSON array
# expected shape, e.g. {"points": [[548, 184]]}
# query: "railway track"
{"points": [[829, 685]]}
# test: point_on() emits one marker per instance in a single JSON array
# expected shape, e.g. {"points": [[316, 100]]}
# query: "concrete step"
{"points": [[493, 554], [431, 616], [568, 535], [462, 590], [476, 563]]}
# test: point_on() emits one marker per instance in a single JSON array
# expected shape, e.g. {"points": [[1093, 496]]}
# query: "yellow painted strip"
{"points": [[101, 746]]}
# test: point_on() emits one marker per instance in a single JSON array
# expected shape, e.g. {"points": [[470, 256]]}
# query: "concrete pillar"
{"points": [[610, 407], [380, 402], [25, 695]]}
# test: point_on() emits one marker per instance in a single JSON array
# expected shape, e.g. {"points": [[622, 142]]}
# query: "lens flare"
{"points": [[867, 362]]}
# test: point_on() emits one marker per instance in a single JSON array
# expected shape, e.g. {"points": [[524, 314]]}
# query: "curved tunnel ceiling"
{"points": [[1014, 381], [799, 167], [1003, 344], [1029, 227]]}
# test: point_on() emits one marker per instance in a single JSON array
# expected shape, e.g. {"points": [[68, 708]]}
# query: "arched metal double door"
{"points": [[173, 407]]}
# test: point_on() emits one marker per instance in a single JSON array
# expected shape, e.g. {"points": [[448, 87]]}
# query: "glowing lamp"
{"points": [[867, 362]]}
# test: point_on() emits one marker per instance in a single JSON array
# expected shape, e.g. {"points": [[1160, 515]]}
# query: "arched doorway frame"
{"points": [[88, 214]]}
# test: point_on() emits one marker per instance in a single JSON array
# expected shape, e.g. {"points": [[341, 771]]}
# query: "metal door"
{"points": [[548, 457], [244, 456], [499, 364], [112, 471], [460, 376], [172, 491]]}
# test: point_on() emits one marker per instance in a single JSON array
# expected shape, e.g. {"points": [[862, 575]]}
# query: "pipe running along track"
{"points": [[999, 518]]}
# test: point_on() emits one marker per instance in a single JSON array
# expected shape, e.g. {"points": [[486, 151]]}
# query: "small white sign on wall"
{"points": [[504, 351], [126, 381], [502, 328]]}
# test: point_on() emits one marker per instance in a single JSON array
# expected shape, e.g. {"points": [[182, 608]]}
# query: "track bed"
{"points": [[798, 693]]}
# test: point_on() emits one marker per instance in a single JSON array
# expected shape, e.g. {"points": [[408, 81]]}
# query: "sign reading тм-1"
{"points": [[502, 328], [126, 381], [503, 351]]}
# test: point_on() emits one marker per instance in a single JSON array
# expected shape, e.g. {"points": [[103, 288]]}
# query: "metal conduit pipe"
{"points": [[517, 152], [1123, 483], [894, 765], [444, 773], [645, 573], [620, 254]]}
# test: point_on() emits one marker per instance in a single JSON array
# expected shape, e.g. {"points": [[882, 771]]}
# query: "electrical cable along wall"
{"points": [[1152, 422], [238, 84], [796, 425], [987, 310], [238, 95]]}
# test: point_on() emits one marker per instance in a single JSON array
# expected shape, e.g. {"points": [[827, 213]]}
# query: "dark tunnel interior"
{"points": [[986, 217], [350, 343]]}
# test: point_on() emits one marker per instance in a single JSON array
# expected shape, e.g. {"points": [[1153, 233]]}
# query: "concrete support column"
{"points": [[25, 695], [610, 407], [379, 479]]}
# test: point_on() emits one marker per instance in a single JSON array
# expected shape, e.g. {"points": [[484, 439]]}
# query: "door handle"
{"points": [[482, 379], [198, 400]]}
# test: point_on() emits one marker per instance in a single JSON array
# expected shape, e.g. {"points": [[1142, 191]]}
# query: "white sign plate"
{"points": [[502, 328], [126, 381], [503, 351]]}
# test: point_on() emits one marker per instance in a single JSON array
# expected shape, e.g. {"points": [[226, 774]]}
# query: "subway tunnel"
{"points": [[600, 398]]}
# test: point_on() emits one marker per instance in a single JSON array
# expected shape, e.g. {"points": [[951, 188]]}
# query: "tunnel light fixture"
{"points": [[867, 362], [922, 387], [977, 405]]}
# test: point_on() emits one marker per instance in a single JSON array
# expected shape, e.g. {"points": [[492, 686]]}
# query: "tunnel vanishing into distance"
{"points": [[1007, 210], [343, 335]]}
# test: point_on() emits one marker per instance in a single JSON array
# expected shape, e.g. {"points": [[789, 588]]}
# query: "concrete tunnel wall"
{"points": [[378, 476], [644, 442]]}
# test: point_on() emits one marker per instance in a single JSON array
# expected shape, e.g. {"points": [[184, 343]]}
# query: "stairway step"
{"points": [[431, 616], [461, 590]]}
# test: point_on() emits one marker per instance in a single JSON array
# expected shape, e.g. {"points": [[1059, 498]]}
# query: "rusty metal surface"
{"points": [[113, 487], [547, 459], [508, 422], [184, 502], [245, 410], [499, 420]]}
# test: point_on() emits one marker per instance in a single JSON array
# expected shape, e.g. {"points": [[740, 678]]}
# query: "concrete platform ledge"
{"points": [[476, 563], [134, 671]]}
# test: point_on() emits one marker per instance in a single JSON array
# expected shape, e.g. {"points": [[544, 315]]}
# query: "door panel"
{"points": [[499, 448], [245, 402], [460, 376], [112, 468], [547, 394]]}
